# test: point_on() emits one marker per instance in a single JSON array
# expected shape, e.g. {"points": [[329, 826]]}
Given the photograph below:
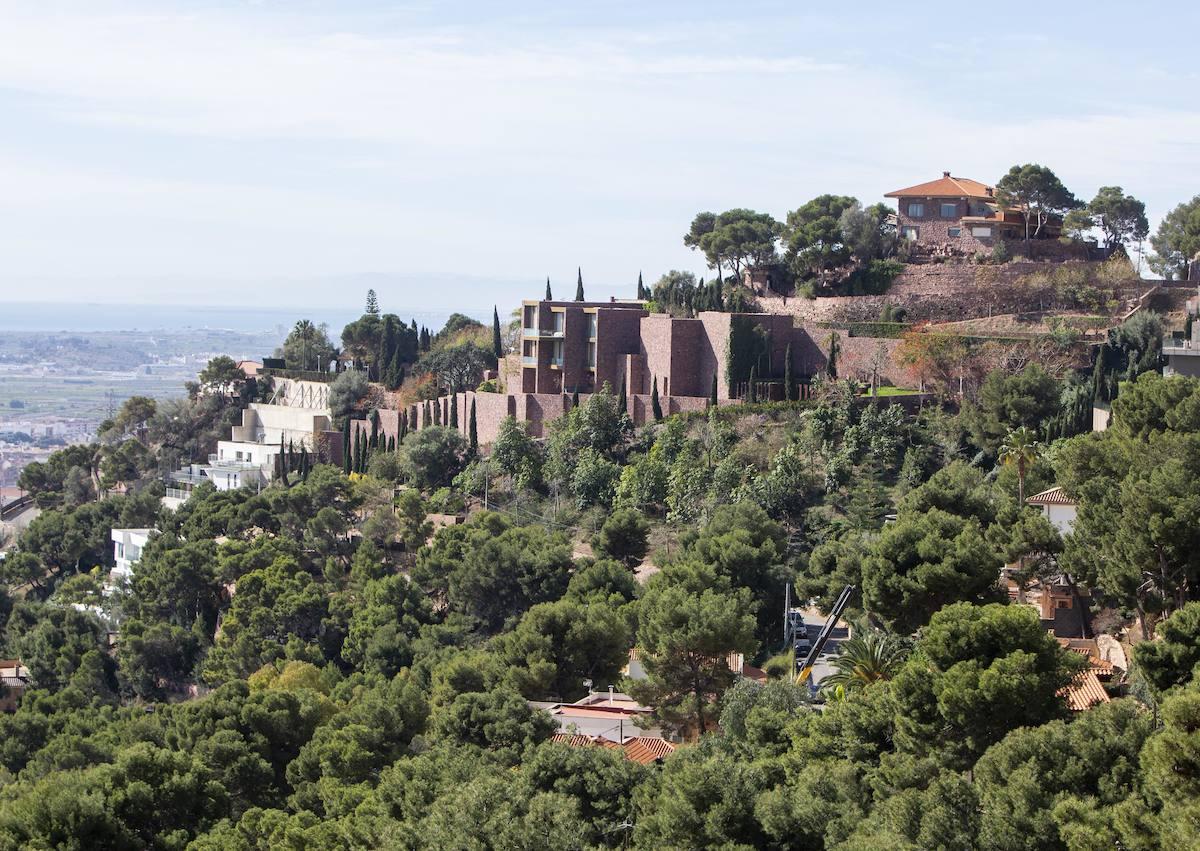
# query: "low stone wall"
{"points": [[947, 292]]}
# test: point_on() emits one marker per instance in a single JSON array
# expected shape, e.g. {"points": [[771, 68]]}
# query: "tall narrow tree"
{"points": [[1020, 449], [575, 398], [452, 402], [712, 393], [835, 348], [622, 400], [641, 291], [549, 295], [655, 404], [473, 432], [752, 392], [346, 459], [497, 343], [579, 286], [437, 412], [789, 381], [372, 303]]}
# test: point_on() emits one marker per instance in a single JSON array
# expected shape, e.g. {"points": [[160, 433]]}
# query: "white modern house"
{"points": [[249, 457], [1059, 508], [127, 550]]}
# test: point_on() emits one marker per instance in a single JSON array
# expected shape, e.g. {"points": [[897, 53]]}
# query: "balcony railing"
{"points": [[551, 333], [528, 360], [556, 362], [231, 462], [178, 493], [1180, 346]]}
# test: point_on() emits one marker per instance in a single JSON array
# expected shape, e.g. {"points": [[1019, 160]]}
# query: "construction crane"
{"points": [[804, 669]]}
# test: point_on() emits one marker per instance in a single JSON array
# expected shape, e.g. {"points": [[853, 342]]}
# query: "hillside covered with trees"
{"points": [[313, 665]]}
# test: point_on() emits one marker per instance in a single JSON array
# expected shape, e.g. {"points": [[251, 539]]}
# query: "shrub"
{"points": [[1001, 252]]}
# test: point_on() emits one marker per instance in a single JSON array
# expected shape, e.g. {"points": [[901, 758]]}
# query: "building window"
{"points": [[916, 210], [911, 233], [981, 231], [591, 356], [949, 211], [591, 325], [556, 353], [559, 318], [955, 232]]}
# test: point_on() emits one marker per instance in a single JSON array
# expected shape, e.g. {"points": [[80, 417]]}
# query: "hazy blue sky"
{"points": [[456, 154]]}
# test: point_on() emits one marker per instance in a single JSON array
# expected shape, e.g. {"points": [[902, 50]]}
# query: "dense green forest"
{"points": [[312, 667]]}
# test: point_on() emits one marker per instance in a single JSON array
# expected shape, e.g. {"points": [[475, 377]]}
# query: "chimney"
{"points": [[945, 174], [611, 702]]}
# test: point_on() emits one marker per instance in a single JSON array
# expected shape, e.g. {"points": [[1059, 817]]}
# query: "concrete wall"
{"points": [[263, 423]]}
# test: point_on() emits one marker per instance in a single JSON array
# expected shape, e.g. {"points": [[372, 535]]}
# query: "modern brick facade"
{"points": [[568, 346], [957, 215]]}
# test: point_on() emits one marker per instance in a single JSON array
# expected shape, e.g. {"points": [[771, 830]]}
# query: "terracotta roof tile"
{"points": [[640, 749], [1084, 692], [945, 187], [1054, 496]]}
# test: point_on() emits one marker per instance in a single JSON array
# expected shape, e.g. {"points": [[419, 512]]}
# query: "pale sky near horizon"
{"points": [[455, 154]]}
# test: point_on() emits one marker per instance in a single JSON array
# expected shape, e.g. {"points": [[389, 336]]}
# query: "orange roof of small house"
{"points": [[1054, 496], [945, 186], [640, 749], [1084, 692]]}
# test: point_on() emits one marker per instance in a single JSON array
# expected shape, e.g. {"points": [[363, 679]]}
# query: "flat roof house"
{"points": [[957, 215]]}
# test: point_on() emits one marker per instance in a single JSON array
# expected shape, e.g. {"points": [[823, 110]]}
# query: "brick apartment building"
{"points": [[569, 346], [957, 215]]}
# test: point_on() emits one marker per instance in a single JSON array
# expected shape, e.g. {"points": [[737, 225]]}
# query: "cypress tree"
{"points": [[549, 295], [374, 430], [712, 394], [346, 446], [473, 431], [834, 350], [453, 403], [579, 286], [752, 395], [428, 415], [437, 412], [403, 425], [655, 406], [789, 384], [391, 443], [304, 462], [641, 287], [497, 345], [575, 398], [622, 402]]}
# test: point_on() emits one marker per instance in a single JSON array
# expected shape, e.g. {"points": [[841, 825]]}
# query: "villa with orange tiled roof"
{"points": [[957, 215]]}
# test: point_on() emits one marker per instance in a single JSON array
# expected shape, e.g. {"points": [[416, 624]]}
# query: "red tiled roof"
{"points": [[640, 749], [1087, 647], [1054, 496], [945, 187], [1084, 692], [645, 750]]}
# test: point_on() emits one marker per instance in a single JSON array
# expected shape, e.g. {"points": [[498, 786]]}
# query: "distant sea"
{"points": [[55, 317]]}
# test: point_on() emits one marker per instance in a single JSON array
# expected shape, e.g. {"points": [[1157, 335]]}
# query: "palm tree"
{"points": [[870, 656], [1020, 449]]}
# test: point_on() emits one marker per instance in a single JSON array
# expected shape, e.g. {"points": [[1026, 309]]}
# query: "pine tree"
{"points": [[346, 446], [497, 345], [579, 286], [372, 303], [712, 393], [473, 432], [549, 295], [453, 403], [575, 398], [789, 383], [622, 401], [752, 393], [655, 405]]}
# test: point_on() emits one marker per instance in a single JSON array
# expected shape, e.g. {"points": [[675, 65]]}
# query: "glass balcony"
{"points": [[528, 360], [544, 332]]}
